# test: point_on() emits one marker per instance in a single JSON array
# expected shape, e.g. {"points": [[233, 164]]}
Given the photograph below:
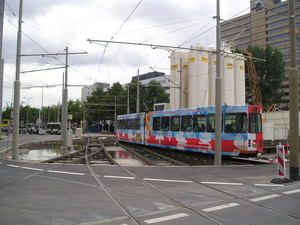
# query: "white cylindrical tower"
{"points": [[179, 79], [239, 80], [227, 79], [198, 76]]}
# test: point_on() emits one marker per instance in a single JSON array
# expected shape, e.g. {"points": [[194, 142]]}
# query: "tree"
{"points": [[152, 94], [270, 74], [75, 108], [149, 95], [101, 105]]}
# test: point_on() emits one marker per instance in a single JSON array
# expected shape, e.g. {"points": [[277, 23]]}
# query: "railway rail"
{"points": [[100, 151], [95, 149]]}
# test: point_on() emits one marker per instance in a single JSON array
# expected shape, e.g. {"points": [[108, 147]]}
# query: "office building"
{"points": [[266, 24]]}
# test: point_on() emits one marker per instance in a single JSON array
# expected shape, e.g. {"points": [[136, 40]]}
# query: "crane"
{"points": [[253, 80]]}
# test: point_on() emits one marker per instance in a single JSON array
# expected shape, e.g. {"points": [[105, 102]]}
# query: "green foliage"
{"points": [[270, 74], [99, 107], [101, 104]]}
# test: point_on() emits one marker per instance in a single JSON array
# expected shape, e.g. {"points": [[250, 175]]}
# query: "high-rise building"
{"points": [[266, 24]]}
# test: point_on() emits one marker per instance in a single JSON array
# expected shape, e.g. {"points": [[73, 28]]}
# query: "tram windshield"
{"points": [[235, 123]]}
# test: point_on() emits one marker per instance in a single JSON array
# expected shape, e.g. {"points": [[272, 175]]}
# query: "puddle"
{"points": [[43, 154], [123, 157]]}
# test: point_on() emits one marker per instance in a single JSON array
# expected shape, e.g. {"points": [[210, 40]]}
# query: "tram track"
{"points": [[94, 146], [123, 206], [148, 155], [187, 207]]}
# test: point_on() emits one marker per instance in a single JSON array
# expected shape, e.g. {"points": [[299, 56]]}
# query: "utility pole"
{"points": [[294, 98], [17, 85], [218, 100], [115, 117], [128, 99], [138, 93], [64, 90], [64, 114]]}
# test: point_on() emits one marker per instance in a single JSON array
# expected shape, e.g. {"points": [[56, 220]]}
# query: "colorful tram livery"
{"points": [[193, 129]]}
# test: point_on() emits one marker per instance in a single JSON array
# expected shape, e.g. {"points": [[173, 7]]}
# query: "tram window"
{"points": [[186, 123], [165, 123], [210, 123], [129, 124], [199, 123], [137, 123], [255, 123], [235, 123], [120, 124], [132, 124], [156, 123], [175, 123], [125, 124]]}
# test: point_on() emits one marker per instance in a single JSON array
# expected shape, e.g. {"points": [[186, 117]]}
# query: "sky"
{"points": [[50, 26]]}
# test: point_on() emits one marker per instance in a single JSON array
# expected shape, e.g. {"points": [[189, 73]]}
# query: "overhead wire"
{"points": [[172, 32], [157, 26], [193, 36], [105, 47], [54, 56]]}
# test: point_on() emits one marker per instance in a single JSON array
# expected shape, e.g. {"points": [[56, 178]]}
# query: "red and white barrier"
{"points": [[280, 161]]}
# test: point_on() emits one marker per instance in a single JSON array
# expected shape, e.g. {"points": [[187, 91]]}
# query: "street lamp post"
{"points": [[27, 111]]}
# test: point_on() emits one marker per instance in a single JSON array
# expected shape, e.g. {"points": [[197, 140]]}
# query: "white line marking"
{"points": [[291, 192], [264, 198], [270, 185], [31, 168], [165, 180], [13, 165], [64, 172], [130, 178], [222, 183], [166, 218], [220, 207]]}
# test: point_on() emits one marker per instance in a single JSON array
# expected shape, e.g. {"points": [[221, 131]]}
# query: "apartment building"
{"points": [[87, 91], [266, 24]]}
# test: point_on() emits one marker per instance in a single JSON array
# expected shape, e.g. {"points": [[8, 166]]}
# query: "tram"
{"points": [[193, 129]]}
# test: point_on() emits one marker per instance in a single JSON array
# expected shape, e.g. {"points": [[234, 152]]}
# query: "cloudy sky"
{"points": [[49, 26]]}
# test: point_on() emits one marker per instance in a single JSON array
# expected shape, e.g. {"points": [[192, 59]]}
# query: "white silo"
{"points": [[212, 73], [227, 69], [179, 79], [239, 80], [198, 76]]}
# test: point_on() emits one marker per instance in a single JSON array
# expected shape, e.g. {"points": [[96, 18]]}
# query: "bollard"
{"points": [[281, 171], [280, 161]]}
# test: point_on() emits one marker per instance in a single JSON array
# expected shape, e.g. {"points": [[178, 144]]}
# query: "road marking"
{"points": [[291, 192], [31, 168], [11, 165], [222, 183], [264, 198], [64, 172], [220, 207], [166, 218], [165, 180], [130, 178], [270, 185]]}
